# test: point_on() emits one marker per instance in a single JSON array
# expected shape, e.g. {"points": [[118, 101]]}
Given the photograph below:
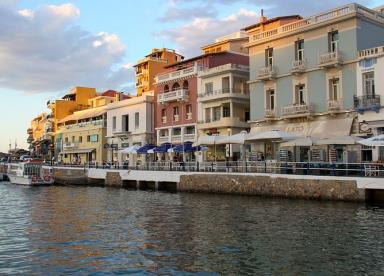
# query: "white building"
{"points": [[223, 105], [129, 122], [370, 95]]}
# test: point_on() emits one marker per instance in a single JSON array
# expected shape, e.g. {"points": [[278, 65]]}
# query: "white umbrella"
{"points": [[376, 141], [211, 140], [238, 138], [300, 142], [339, 140], [131, 149], [271, 135]]}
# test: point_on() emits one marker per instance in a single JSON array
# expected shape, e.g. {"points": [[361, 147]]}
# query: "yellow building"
{"points": [[75, 100], [153, 64], [83, 134], [229, 43], [39, 136]]}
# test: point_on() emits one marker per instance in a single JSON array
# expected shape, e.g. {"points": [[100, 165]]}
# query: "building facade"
{"points": [[176, 93], [83, 133], [369, 98], [147, 68], [130, 122], [303, 72], [76, 100], [40, 137]]}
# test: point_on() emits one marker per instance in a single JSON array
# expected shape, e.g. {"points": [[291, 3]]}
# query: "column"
{"points": [[182, 129], [231, 84], [158, 137], [231, 109], [211, 108]]}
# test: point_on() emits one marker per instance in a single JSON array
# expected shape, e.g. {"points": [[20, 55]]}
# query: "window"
{"points": [[175, 111], [164, 112], [166, 88], [94, 138], [209, 88], [269, 57], [190, 130], [270, 99], [66, 139], [216, 113], [176, 131], [125, 123], [137, 120], [114, 123], [207, 115], [175, 86], [185, 85], [300, 97], [80, 139], [188, 114], [247, 116], [226, 111], [73, 139], [333, 41], [334, 87], [299, 46], [88, 138], [369, 83]]}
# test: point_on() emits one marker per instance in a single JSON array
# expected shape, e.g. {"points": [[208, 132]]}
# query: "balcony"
{"points": [[164, 119], [189, 137], [224, 68], [72, 145], [176, 139], [173, 96], [297, 110], [370, 53], [163, 139], [335, 105], [189, 116], [224, 93], [332, 59], [222, 123], [176, 118], [367, 103], [266, 73], [299, 66], [156, 59], [269, 113], [187, 72]]}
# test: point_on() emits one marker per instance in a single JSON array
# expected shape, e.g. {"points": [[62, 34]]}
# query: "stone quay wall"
{"points": [[321, 189]]}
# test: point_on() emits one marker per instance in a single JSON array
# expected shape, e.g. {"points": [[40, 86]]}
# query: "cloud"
{"points": [[175, 13], [42, 50], [202, 31]]}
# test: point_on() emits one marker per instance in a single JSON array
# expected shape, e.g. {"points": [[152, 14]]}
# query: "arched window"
{"points": [[185, 85], [175, 86], [166, 88]]}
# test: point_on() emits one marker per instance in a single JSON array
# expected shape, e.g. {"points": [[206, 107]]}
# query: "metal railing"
{"points": [[297, 109], [331, 58], [176, 95], [299, 66], [366, 102], [268, 72], [335, 105], [268, 167]]}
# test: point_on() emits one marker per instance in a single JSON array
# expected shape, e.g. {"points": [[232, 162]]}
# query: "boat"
{"points": [[30, 173]]}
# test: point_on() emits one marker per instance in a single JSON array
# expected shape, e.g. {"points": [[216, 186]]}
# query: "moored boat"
{"points": [[30, 174]]}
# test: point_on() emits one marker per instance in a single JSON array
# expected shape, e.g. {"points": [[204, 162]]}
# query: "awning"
{"points": [[212, 140], [85, 114], [77, 151], [271, 135], [339, 140], [300, 142], [376, 141], [318, 129]]}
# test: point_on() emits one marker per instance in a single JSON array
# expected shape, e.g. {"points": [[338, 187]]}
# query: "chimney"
{"points": [[262, 18]]}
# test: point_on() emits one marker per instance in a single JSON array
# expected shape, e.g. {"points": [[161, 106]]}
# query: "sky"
{"points": [[49, 46]]}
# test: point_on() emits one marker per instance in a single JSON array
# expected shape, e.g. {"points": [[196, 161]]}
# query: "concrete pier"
{"points": [[356, 189]]}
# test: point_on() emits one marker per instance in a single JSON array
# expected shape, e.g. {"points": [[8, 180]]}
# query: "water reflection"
{"points": [[80, 230]]}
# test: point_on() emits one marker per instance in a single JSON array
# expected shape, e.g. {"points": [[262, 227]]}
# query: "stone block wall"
{"points": [[344, 190]]}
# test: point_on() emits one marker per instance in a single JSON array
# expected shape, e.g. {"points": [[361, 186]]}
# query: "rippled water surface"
{"points": [[88, 230]]}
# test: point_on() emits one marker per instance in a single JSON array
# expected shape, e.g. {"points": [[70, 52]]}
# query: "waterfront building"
{"points": [[303, 75], [76, 100], [176, 94], [40, 136], [130, 122], [223, 97], [147, 68], [83, 133], [368, 101]]}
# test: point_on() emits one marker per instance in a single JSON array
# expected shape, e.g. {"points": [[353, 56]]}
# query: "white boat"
{"points": [[30, 174]]}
